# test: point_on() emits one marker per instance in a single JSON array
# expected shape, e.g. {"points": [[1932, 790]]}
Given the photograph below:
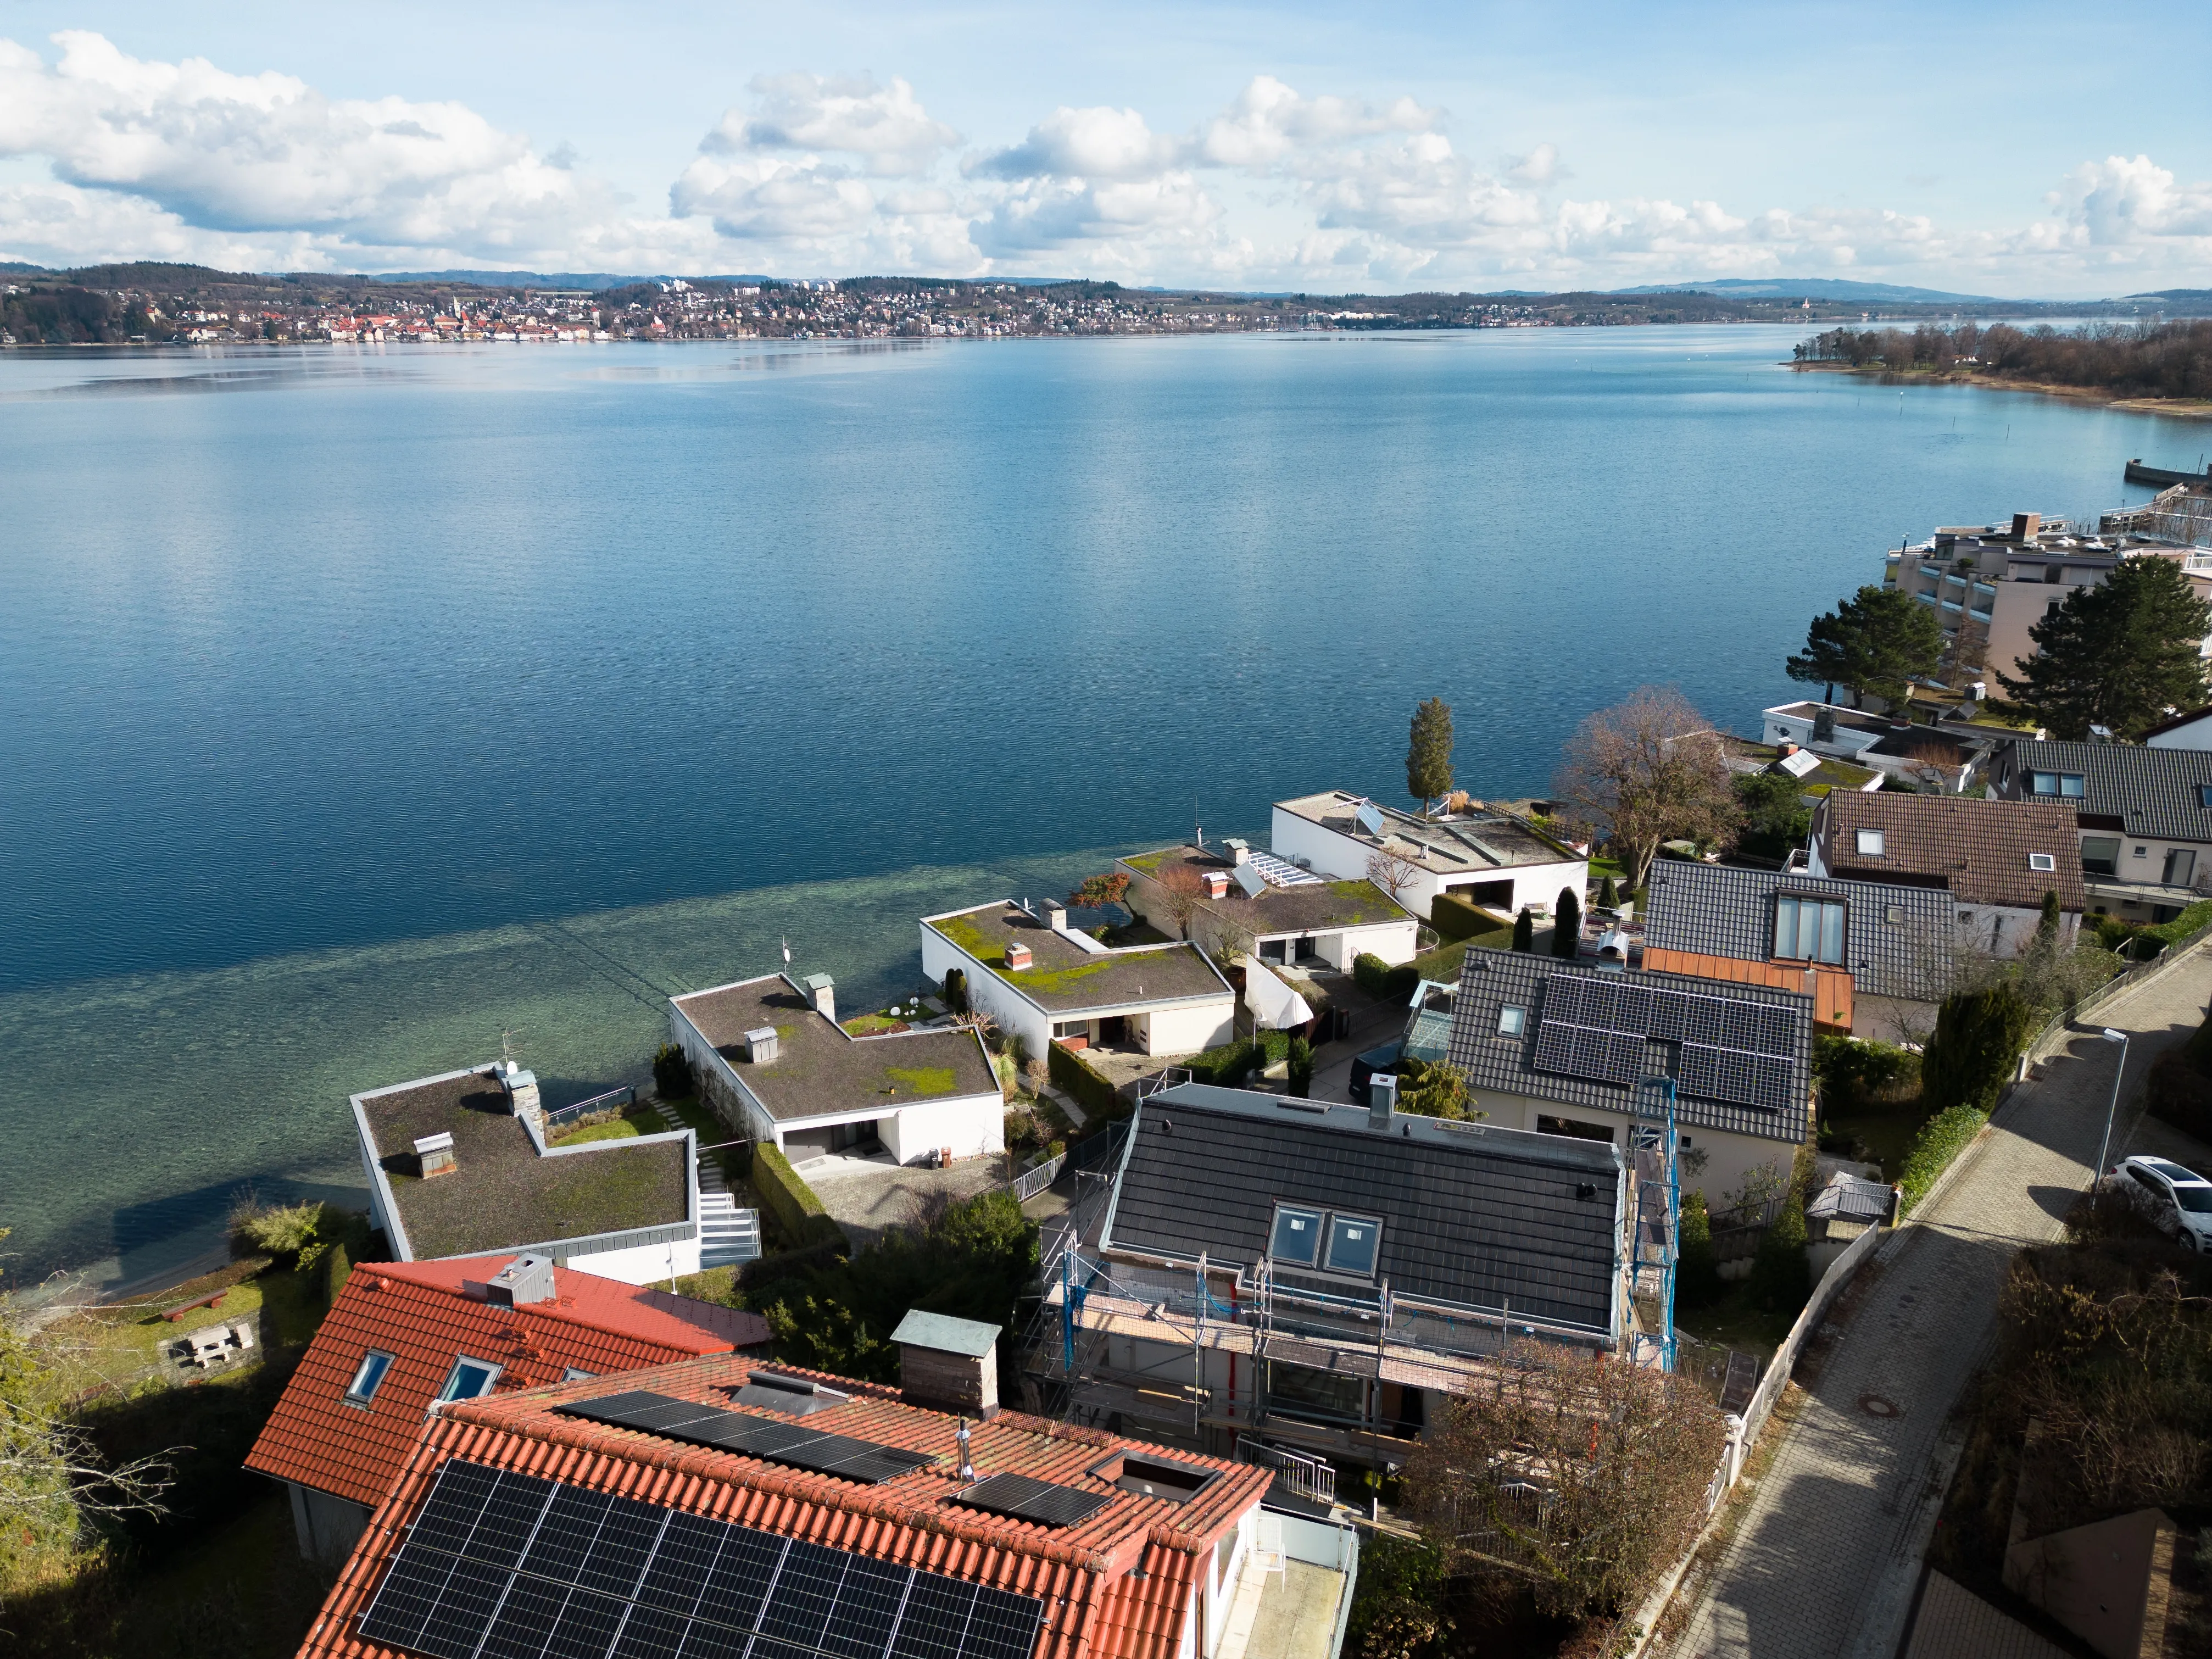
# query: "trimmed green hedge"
{"points": [[1227, 1066], [1073, 1075], [1454, 918], [1380, 980], [790, 1202], [1941, 1139]]}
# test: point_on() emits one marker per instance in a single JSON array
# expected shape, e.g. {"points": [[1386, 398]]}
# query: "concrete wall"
{"points": [[1727, 1157], [987, 992], [641, 1264], [973, 1126], [327, 1526], [1187, 1028], [1171, 1029]]}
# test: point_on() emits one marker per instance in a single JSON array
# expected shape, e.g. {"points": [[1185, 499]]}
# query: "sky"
{"points": [[2031, 151]]}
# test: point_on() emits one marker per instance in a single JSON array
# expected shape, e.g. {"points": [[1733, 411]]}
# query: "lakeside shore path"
{"points": [[1827, 1546]]}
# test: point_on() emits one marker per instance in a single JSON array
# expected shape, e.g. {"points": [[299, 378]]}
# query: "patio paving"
{"points": [[867, 1197]]}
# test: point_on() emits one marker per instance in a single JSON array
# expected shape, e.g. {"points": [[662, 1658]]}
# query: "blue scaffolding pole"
{"points": [[1654, 1146]]}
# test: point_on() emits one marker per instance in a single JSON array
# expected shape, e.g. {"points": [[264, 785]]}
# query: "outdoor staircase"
{"points": [[727, 1235]]}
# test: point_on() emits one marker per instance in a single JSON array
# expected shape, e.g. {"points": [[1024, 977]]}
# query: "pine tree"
{"points": [[1566, 924], [1877, 642], [1608, 895], [2119, 654], [1428, 755], [2048, 927], [1524, 931]]}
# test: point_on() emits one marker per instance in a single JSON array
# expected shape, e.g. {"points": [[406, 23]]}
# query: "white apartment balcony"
{"points": [[1293, 1597], [1954, 607]]}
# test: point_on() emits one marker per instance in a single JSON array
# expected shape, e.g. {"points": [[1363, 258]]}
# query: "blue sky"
{"points": [[2025, 150]]}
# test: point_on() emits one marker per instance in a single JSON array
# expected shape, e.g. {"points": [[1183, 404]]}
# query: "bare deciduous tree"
{"points": [[1648, 770], [1180, 894], [1580, 1472], [1393, 872]]}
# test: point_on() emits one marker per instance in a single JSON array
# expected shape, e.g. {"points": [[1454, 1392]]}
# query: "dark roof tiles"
{"points": [[2153, 793], [1897, 939]]}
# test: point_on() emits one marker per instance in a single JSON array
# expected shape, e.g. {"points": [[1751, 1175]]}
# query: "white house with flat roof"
{"points": [[1045, 981], [1486, 857]]}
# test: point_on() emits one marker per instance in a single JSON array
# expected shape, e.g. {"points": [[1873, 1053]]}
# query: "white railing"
{"points": [[1034, 1180], [1309, 1478]]}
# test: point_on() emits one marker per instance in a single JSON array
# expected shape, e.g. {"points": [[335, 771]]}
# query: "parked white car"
{"points": [[2179, 1200]]}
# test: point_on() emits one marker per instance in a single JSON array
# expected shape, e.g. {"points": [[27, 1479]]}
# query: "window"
{"points": [[2041, 861], [1353, 1240], [1894, 915], [1869, 843], [363, 1388], [2065, 785], [2100, 854], [470, 1377], [2204, 794], [1511, 1021], [577, 1374], [1809, 930], [1297, 1236]]}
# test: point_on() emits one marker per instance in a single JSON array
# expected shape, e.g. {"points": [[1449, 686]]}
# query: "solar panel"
{"points": [[1025, 1500], [755, 1436], [651, 1582]]}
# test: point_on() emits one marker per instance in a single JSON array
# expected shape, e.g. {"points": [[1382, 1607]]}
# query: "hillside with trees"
{"points": [[2127, 360]]}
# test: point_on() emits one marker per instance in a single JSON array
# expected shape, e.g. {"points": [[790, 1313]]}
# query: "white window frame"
{"points": [[2041, 861], [1512, 1020], [2064, 786], [356, 1394], [1869, 843], [446, 1396]]}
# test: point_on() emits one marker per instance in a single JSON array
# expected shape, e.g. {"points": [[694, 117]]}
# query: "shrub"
{"points": [[1978, 1037], [1940, 1139], [789, 1201], [1302, 1068], [1380, 980], [956, 991], [1856, 1076], [1456, 918], [1433, 1089], [1698, 1280], [1781, 1279], [1567, 928], [1073, 1075], [671, 1073], [1226, 1067], [1524, 931], [338, 1267], [1608, 895]]}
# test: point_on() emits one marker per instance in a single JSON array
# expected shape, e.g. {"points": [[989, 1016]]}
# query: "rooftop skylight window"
{"points": [[1353, 1242], [2041, 861], [470, 1378], [1869, 843], [2068, 786], [369, 1378], [1297, 1236], [1511, 1021]]}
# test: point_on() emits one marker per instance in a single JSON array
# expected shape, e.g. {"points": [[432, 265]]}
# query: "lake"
{"points": [[364, 704]]}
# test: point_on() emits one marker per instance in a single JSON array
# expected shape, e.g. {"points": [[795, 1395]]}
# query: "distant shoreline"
{"points": [[2187, 409]]}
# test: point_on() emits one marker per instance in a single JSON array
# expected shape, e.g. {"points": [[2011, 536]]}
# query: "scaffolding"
{"points": [[1657, 1240]]}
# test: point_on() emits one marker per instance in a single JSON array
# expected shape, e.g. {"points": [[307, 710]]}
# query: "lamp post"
{"points": [[2118, 1071]]}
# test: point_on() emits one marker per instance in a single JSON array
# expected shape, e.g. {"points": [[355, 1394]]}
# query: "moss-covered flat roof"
{"points": [[1065, 978], [503, 1193], [821, 1070], [1318, 907]]}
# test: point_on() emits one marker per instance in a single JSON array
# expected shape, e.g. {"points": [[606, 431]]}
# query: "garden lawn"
{"points": [[1886, 1136]]}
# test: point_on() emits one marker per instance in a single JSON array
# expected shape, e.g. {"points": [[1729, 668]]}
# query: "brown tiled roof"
{"points": [[1095, 1604], [415, 1311], [1978, 848], [820, 1067]]}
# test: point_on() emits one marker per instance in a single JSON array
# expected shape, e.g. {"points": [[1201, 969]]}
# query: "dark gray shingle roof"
{"points": [[1473, 1216], [1492, 980], [2151, 792], [1717, 910]]}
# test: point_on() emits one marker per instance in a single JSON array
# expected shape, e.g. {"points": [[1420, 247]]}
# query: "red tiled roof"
{"points": [[1095, 1604], [415, 1311]]}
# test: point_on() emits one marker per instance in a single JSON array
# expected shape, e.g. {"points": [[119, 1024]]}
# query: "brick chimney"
{"points": [[948, 1365], [1018, 957]]}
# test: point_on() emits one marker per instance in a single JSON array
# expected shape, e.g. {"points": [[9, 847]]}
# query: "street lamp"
{"points": [[2120, 1038]]}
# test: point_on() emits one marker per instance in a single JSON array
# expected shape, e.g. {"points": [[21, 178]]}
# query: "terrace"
{"points": [[1063, 977], [1315, 905], [505, 1190]]}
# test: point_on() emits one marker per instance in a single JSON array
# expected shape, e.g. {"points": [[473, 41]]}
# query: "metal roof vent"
{"points": [[1239, 849], [525, 1279], [435, 1153], [1382, 1100], [761, 1045]]}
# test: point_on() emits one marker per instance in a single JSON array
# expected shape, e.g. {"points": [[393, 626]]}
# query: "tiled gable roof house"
{"points": [[403, 1337], [2144, 816]]}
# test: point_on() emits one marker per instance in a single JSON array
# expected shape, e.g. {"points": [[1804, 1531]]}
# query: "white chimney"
{"points": [[1055, 915], [525, 1279], [435, 1153], [760, 1045], [822, 990], [1239, 851]]}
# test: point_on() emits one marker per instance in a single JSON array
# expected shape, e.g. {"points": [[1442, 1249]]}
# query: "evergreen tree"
{"points": [[1428, 756], [1877, 642], [1567, 924], [1608, 895], [1775, 817], [2119, 654], [1524, 931], [2047, 928], [1978, 1038]]}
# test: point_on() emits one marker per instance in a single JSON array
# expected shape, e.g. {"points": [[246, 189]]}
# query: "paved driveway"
{"points": [[1826, 1553]]}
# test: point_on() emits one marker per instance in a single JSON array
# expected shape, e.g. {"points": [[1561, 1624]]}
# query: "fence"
{"points": [[615, 1100], [1785, 1357], [1310, 1478], [1035, 1179], [1736, 1233]]}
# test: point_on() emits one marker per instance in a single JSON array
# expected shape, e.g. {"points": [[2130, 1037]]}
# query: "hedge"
{"points": [[1382, 981], [1226, 1067], [1940, 1139], [790, 1202], [1454, 918], [1073, 1075]]}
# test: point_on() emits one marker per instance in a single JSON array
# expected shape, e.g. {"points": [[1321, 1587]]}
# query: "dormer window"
{"points": [[1869, 843], [2056, 786]]}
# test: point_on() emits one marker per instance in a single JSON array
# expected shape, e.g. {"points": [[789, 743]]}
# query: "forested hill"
{"points": [[2133, 360]]}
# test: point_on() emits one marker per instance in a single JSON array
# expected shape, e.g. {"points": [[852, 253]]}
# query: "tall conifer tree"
{"points": [[2119, 654], [1428, 756]]}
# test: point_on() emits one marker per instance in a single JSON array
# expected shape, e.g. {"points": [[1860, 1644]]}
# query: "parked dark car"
{"points": [[1363, 1066]]}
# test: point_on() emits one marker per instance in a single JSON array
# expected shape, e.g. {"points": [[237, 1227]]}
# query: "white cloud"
{"points": [[1049, 214], [2123, 211], [1269, 119], [885, 127], [763, 198], [1086, 144]]}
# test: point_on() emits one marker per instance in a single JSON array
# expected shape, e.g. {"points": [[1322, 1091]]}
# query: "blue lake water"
{"points": [[360, 705]]}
